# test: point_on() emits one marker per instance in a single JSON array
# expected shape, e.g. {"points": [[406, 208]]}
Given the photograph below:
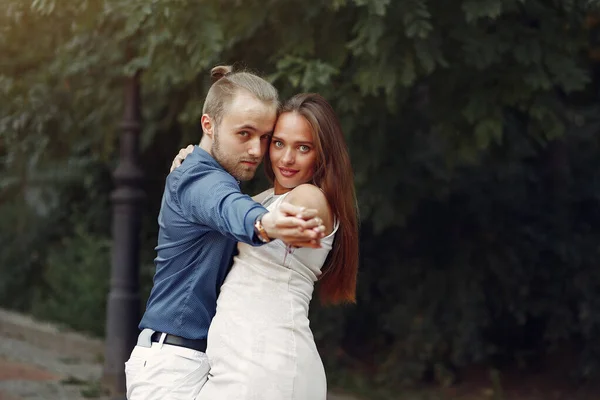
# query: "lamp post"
{"points": [[123, 305]]}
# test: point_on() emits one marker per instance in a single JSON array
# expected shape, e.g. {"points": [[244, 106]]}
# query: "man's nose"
{"points": [[254, 148]]}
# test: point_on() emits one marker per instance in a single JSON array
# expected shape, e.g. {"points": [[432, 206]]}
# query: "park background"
{"points": [[473, 127]]}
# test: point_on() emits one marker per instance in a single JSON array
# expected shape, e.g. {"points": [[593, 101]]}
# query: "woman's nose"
{"points": [[288, 157]]}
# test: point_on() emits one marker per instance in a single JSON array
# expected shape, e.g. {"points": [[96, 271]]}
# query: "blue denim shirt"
{"points": [[202, 216]]}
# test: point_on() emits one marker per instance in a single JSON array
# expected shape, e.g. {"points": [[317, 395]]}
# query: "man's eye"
{"points": [[265, 137], [244, 134]]}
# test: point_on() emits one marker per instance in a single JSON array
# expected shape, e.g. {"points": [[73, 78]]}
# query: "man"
{"points": [[203, 215]]}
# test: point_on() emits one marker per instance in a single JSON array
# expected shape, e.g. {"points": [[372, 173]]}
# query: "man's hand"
{"points": [[183, 153], [294, 225]]}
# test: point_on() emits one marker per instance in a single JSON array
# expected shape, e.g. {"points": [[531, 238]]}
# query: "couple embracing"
{"points": [[224, 326]]}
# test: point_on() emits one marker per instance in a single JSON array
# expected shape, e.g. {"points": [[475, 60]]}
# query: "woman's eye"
{"points": [[304, 148], [278, 144]]}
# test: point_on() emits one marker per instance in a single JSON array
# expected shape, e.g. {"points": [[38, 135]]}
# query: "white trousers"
{"points": [[165, 372]]}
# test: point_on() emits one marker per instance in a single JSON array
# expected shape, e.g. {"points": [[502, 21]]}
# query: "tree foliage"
{"points": [[448, 109]]}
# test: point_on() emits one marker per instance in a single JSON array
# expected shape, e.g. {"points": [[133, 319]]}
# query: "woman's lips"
{"points": [[287, 172]]}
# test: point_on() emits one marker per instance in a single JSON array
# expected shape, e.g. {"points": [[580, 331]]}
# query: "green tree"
{"points": [[448, 109]]}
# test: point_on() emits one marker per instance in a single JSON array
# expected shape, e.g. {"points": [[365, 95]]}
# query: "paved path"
{"points": [[29, 372], [42, 361], [39, 361]]}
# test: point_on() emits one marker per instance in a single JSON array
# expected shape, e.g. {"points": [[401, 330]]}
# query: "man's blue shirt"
{"points": [[202, 216]]}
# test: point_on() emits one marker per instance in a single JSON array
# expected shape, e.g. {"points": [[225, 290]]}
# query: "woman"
{"points": [[260, 345]]}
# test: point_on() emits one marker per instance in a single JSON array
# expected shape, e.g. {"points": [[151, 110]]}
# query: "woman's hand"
{"points": [[183, 153]]}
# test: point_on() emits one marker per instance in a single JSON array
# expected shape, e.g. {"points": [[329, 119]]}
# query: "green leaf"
{"points": [[376, 7], [476, 9], [416, 18], [408, 73], [487, 131]]}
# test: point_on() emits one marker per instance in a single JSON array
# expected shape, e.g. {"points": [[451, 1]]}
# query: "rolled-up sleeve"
{"points": [[213, 198]]}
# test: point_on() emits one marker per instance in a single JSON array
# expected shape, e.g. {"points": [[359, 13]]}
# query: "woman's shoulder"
{"points": [[310, 196], [308, 193]]}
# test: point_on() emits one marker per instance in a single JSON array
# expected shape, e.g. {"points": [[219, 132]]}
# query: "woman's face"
{"points": [[292, 152]]}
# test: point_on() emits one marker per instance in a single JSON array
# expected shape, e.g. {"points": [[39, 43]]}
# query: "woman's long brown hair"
{"points": [[333, 174]]}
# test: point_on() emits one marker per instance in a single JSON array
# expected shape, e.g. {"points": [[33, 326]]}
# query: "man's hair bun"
{"points": [[220, 71]]}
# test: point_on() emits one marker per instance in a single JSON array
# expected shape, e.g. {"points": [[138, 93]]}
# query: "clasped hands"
{"points": [[294, 225]]}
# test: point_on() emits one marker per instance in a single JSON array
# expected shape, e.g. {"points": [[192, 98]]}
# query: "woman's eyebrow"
{"points": [[275, 137]]}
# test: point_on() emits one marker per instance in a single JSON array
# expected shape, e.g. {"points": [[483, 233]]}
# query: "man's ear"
{"points": [[207, 126]]}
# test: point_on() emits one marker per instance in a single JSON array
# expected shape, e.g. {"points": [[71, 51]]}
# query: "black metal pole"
{"points": [[123, 305]]}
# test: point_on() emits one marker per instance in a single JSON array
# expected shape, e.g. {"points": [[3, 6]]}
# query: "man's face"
{"points": [[242, 138]]}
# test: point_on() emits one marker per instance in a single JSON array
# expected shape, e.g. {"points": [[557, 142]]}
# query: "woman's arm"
{"points": [[310, 196]]}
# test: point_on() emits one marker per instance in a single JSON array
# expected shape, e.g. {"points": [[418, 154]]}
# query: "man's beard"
{"points": [[231, 163]]}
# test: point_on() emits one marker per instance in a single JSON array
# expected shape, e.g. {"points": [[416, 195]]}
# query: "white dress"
{"points": [[260, 345]]}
